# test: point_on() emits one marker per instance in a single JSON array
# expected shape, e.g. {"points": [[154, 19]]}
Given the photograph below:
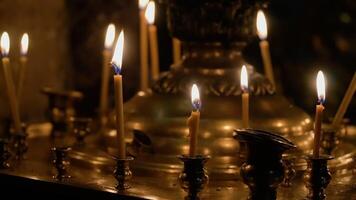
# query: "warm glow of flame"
{"points": [[110, 36], [261, 24], [142, 3], [150, 12], [320, 86], [24, 44], [244, 79], [5, 44], [195, 97], [118, 53]]}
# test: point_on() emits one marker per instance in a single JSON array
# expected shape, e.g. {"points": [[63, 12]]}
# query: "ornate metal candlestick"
{"points": [[194, 176], [317, 177], [329, 140], [61, 162], [122, 173], [263, 169], [61, 108], [81, 128], [19, 142], [4, 154], [289, 170], [213, 35]]}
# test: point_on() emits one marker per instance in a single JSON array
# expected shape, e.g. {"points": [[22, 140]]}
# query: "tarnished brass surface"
{"points": [[38, 167]]}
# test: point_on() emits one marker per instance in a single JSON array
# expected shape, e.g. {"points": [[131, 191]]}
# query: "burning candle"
{"points": [[320, 86], [345, 102], [176, 50], [104, 92], [23, 63], [245, 97], [264, 46], [193, 120], [116, 63], [152, 31], [10, 88], [143, 45]]}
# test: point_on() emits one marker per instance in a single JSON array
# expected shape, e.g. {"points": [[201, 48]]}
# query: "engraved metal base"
{"points": [[317, 177], [122, 173], [194, 176], [19, 144]]}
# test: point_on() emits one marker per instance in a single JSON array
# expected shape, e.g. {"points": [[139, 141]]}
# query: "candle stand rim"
{"points": [[63, 149], [127, 158], [196, 157]]}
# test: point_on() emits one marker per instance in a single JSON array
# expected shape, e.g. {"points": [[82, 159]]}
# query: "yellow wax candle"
{"points": [[152, 32], [245, 97], [320, 84], [193, 121], [143, 46], [10, 88], [104, 92], [23, 65], [176, 50], [119, 106], [345, 102], [264, 46]]}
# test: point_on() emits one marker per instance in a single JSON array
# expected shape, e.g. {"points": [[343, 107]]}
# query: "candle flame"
{"points": [[118, 53], [320, 87], [5, 44], [195, 97], [244, 79], [142, 3], [110, 36], [150, 12], [261, 24], [24, 44]]}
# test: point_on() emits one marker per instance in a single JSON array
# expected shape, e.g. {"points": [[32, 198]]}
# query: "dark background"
{"points": [[67, 37]]}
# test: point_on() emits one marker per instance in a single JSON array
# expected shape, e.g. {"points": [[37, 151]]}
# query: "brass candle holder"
{"points": [[19, 144], [317, 176], [61, 162], [289, 169], [4, 154], [194, 176], [122, 173], [263, 169]]}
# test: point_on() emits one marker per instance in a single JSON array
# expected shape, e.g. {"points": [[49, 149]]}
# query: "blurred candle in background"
{"points": [[23, 65], [10, 87], [143, 46], [152, 30], [262, 32], [104, 92], [177, 51], [245, 97]]}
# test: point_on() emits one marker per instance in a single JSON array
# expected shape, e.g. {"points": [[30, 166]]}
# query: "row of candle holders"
{"points": [[262, 170]]}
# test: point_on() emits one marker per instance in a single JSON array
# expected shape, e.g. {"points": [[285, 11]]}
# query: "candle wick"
{"points": [[117, 70]]}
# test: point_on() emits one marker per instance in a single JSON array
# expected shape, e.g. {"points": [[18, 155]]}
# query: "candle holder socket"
{"points": [[4, 154], [263, 169], [81, 128], [317, 176], [194, 176], [61, 162], [122, 173]]}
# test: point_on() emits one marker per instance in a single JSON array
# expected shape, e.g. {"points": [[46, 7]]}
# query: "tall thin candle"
{"points": [[320, 85], [119, 106], [193, 120], [5, 48], [345, 102], [176, 50]]}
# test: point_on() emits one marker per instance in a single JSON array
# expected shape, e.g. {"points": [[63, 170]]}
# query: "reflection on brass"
{"points": [[61, 108]]}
